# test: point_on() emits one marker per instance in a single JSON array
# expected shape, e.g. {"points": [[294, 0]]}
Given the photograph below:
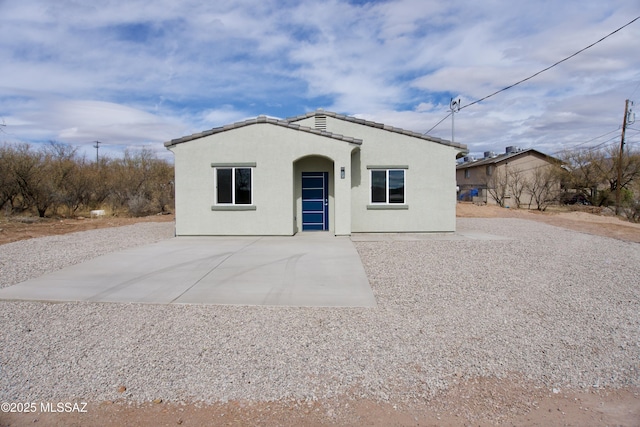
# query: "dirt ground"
{"points": [[508, 401], [487, 402], [13, 229], [586, 219]]}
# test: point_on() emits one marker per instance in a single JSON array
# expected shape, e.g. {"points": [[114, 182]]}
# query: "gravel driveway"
{"points": [[557, 307]]}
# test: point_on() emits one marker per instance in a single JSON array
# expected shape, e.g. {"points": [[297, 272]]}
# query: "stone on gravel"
{"points": [[555, 307]]}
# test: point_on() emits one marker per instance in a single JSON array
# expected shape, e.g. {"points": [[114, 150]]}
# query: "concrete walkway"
{"points": [[309, 269]]}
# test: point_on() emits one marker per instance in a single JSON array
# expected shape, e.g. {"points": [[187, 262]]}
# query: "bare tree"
{"points": [[31, 171], [77, 189], [497, 184], [583, 173], [100, 179], [608, 165], [142, 183], [594, 173], [68, 188], [633, 209], [162, 186], [9, 190], [516, 184], [543, 186], [53, 178]]}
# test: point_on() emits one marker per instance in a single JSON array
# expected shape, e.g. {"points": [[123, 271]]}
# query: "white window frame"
{"points": [[233, 184], [387, 170]]}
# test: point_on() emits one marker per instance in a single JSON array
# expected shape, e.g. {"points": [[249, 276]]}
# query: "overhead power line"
{"points": [[602, 145], [538, 73], [590, 140], [551, 66], [436, 125]]}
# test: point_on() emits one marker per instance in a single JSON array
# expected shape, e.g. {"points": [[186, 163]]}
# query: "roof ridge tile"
{"points": [[262, 119], [377, 126]]}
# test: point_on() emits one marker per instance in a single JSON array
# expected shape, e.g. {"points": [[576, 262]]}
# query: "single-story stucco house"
{"points": [[317, 171]]}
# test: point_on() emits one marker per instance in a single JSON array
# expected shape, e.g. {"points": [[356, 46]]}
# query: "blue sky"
{"points": [[134, 73]]}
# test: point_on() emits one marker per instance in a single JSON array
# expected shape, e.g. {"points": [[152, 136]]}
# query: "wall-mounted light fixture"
{"points": [[342, 172]]}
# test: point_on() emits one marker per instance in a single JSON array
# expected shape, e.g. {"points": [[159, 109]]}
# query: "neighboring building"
{"points": [[318, 171], [477, 179]]}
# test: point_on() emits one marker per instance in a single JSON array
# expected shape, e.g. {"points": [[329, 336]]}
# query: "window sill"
{"points": [[390, 206], [233, 208]]}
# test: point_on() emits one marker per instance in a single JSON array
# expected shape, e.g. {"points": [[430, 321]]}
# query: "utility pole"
{"points": [[454, 105], [97, 147], [619, 182]]}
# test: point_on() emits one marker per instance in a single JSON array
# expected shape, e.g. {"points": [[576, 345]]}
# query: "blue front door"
{"points": [[315, 201]]}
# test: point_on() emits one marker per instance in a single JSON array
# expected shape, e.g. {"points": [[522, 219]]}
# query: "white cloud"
{"points": [[221, 116], [141, 72]]}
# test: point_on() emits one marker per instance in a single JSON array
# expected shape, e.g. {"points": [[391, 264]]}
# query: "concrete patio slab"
{"points": [[309, 269]]}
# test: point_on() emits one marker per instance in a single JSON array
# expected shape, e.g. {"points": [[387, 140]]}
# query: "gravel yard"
{"points": [[553, 307]]}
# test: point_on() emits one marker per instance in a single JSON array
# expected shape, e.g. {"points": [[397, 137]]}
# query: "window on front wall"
{"points": [[387, 186], [233, 186]]}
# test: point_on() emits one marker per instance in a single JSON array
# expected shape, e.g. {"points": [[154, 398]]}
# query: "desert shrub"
{"points": [[139, 205], [141, 183], [54, 179]]}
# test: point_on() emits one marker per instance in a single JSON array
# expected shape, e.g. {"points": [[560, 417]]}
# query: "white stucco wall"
{"points": [[274, 150], [430, 180]]}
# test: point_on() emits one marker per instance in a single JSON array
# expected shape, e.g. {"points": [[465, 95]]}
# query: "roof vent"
{"points": [[321, 122], [512, 149]]}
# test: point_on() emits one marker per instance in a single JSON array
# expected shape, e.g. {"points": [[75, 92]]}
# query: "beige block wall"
{"points": [[526, 166]]}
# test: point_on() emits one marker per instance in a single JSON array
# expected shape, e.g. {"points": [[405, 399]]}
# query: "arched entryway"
{"points": [[313, 205]]}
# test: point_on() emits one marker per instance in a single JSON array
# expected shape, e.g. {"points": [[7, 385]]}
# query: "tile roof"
{"points": [[377, 126], [502, 157], [262, 120], [289, 123]]}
